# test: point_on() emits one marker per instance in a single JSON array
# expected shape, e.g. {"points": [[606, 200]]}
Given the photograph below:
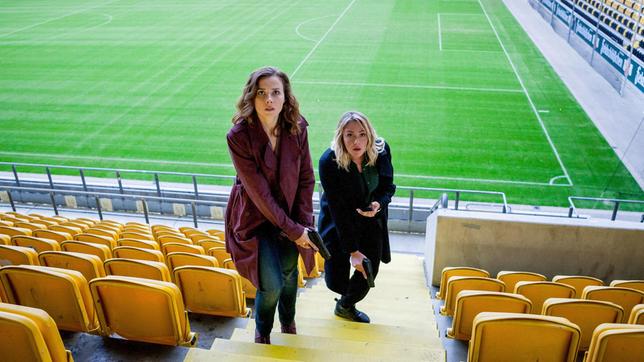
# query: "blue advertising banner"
{"points": [[584, 31], [563, 14], [636, 75], [614, 56]]}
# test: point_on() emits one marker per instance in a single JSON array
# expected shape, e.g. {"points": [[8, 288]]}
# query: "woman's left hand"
{"points": [[375, 207]]}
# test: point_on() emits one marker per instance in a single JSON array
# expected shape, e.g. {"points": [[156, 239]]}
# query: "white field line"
{"points": [[337, 20], [481, 180], [412, 86], [552, 180], [54, 19], [297, 28], [440, 35], [107, 16], [534, 108]]}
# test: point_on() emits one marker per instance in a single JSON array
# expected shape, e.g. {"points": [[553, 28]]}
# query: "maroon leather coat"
{"points": [[251, 202]]}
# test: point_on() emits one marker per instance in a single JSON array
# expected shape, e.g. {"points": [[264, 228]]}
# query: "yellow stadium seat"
{"points": [[249, 289], [135, 235], [54, 235], [624, 297], [91, 266], [163, 232], [30, 334], [17, 255], [511, 278], [173, 239], [78, 224], [12, 231], [216, 233], [62, 293], [138, 268], [30, 225], [5, 239], [586, 314], [189, 230], [314, 272], [143, 244], [102, 251], [469, 303], [199, 237], [456, 284], [633, 284], [5, 223], [48, 221], [214, 291], [616, 343], [142, 310], [131, 252], [538, 292], [637, 315], [208, 244], [38, 244], [320, 262], [137, 224], [103, 231], [178, 259], [168, 248], [449, 272], [71, 230], [522, 337], [220, 253], [579, 282], [96, 239]]}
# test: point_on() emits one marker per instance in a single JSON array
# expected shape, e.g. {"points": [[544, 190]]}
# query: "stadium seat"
{"points": [[30, 225], [314, 272], [38, 244], [173, 239], [633, 284], [637, 315], [71, 230], [130, 252], [78, 224], [220, 253], [579, 282], [249, 289], [459, 283], [522, 337], [102, 251], [511, 278], [17, 255], [624, 297], [164, 232], [54, 235], [168, 248], [213, 291], [616, 343], [586, 314], [103, 231], [199, 237], [91, 266], [178, 259], [538, 292], [12, 231], [30, 334], [142, 310], [135, 235], [62, 293], [216, 233], [210, 243], [469, 303], [96, 239], [143, 244], [137, 268], [449, 272], [5, 239]]}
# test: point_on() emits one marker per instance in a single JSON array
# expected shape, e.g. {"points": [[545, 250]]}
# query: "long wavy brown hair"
{"points": [[290, 114]]}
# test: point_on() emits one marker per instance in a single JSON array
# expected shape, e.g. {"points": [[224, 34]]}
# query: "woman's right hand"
{"points": [[304, 241], [356, 261]]}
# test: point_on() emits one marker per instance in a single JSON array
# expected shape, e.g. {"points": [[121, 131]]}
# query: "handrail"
{"points": [[616, 203]]}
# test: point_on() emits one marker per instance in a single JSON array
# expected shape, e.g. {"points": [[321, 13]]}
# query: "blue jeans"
{"points": [[277, 282]]}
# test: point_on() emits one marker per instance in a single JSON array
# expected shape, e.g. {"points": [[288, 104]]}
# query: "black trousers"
{"points": [[337, 270]]}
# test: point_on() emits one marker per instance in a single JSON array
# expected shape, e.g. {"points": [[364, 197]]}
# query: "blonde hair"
{"points": [[342, 156]]}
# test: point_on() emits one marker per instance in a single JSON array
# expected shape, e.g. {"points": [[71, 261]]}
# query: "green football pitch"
{"points": [[456, 87]]}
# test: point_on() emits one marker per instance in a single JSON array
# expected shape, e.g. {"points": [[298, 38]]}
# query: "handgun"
{"points": [[368, 269], [315, 237]]}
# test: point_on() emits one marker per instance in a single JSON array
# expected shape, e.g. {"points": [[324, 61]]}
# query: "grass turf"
{"points": [[152, 85]]}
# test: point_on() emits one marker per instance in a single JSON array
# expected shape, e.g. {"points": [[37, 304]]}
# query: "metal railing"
{"points": [[572, 210]]}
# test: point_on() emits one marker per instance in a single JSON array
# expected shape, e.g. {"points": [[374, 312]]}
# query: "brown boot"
{"points": [[262, 339], [290, 329]]}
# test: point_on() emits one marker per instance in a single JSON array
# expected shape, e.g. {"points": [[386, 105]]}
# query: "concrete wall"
{"points": [[550, 246]]}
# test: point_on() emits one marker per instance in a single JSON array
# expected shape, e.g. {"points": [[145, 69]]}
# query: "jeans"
{"points": [[277, 282]]}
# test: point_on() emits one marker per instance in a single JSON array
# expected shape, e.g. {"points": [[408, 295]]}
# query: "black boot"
{"points": [[350, 313]]}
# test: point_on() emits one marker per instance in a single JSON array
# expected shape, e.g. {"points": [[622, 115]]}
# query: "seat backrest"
{"points": [[216, 233], [15, 348], [199, 237], [210, 290], [138, 268], [457, 284], [5, 239], [21, 340], [105, 231], [178, 259], [143, 244], [142, 310], [96, 239], [538, 292], [71, 230], [173, 239], [586, 314], [579, 282], [461, 271], [633, 284], [220, 253], [469, 303], [102, 251], [511, 278], [59, 236], [62, 293], [12, 231], [131, 252], [36, 243], [249, 289], [522, 337], [637, 315], [208, 244], [624, 297], [91, 266], [17, 255], [168, 248], [135, 235], [33, 226], [616, 343]]}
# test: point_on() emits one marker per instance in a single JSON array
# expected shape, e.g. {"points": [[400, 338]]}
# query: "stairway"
{"points": [[402, 325]]}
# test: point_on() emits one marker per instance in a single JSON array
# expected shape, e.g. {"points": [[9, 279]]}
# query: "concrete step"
{"points": [[381, 290], [382, 349], [413, 301], [206, 355]]}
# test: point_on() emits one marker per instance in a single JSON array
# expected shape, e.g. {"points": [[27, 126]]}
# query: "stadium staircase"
{"points": [[403, 325]]}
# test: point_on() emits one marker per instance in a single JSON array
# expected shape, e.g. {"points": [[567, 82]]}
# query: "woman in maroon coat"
{"points": [[271, 203]]}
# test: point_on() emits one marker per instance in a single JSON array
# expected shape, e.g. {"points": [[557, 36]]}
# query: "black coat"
{"points": [[340, 226]]}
